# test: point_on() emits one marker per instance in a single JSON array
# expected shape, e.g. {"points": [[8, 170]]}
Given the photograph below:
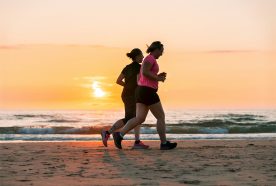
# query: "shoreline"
{"points": [[153, 140], [13, 138], [193, 162]]}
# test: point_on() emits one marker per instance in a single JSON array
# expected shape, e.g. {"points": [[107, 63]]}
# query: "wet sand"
{"points": [[194, 162]]}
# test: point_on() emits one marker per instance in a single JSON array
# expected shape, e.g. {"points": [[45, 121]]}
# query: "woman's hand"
{"points": [[162, 76]]}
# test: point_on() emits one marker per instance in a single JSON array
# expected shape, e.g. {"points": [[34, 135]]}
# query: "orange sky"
{"points": [[218, 54]]}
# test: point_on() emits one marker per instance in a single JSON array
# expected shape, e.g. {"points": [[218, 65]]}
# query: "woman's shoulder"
{"points": [[125, 69], [131, 66], [150, 58]]}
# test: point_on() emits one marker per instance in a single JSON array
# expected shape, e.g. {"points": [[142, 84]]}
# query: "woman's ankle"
{"points": [[121, 134]]}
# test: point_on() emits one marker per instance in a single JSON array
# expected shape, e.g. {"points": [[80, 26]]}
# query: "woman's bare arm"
{"points": [[120, 80], [146, 72]]}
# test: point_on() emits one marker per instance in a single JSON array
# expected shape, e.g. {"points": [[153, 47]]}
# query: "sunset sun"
{"points": [[97, 90]]}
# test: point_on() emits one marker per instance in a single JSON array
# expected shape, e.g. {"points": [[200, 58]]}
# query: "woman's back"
{"points": [[130, 73]]}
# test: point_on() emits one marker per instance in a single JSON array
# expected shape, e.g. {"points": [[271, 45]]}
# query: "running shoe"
{"points": [[117, 139], [168, 146], [105, 137], [140, 145]]}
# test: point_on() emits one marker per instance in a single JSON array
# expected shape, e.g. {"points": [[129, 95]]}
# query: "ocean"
{"points": [[180, 124]]}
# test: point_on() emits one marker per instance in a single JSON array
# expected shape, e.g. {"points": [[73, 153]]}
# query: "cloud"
{"points": [[91, 78], [9, 47], [230, 51]]}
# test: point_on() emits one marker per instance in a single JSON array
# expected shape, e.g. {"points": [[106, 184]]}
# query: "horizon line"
{"points": [[218, 51]]}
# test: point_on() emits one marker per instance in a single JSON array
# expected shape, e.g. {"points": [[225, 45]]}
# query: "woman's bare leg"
{"points": [[141, 114], [158, 112], [137, 132], [117, 125]]}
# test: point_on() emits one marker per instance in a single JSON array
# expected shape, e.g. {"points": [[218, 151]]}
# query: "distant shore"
{"points": [[203, 162]]}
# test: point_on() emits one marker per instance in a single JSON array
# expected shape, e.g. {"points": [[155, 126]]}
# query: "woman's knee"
{"points": [[140, 119]]}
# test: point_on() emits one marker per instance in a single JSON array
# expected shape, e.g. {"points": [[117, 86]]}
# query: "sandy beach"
{"points": [[194, 162]]}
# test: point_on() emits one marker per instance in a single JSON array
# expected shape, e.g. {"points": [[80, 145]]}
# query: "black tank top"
{"points": [[130, 72]]}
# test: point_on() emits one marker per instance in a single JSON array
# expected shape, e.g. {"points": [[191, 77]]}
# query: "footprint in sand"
{"points": [[190, 181], [251, 144], [234, 169], [24, 180]]}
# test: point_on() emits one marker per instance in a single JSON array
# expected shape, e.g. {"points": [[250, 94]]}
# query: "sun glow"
{"points": [[97, 91]]}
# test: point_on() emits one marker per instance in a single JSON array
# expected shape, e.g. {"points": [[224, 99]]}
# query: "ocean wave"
{"points": [[60, 121], [50, 130], [186, 128], [223, 130], [178, 122], [22, 116], [45, 118], [243, 115], [217, 123]]}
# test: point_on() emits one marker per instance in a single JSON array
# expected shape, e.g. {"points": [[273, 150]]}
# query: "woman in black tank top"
{"points": [[128, 79]]}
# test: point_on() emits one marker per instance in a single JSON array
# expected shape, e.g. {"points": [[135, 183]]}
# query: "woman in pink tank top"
{"points": [[144, 80], [147, 98]]}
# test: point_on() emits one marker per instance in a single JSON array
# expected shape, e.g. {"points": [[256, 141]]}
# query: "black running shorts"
{"points": [[146, 95]]}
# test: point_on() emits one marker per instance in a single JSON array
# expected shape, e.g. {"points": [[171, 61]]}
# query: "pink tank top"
{"points": [[143, 80]]}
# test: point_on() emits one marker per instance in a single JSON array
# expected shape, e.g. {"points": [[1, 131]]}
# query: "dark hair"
{"points": [[134, 53], [155, 45]]}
